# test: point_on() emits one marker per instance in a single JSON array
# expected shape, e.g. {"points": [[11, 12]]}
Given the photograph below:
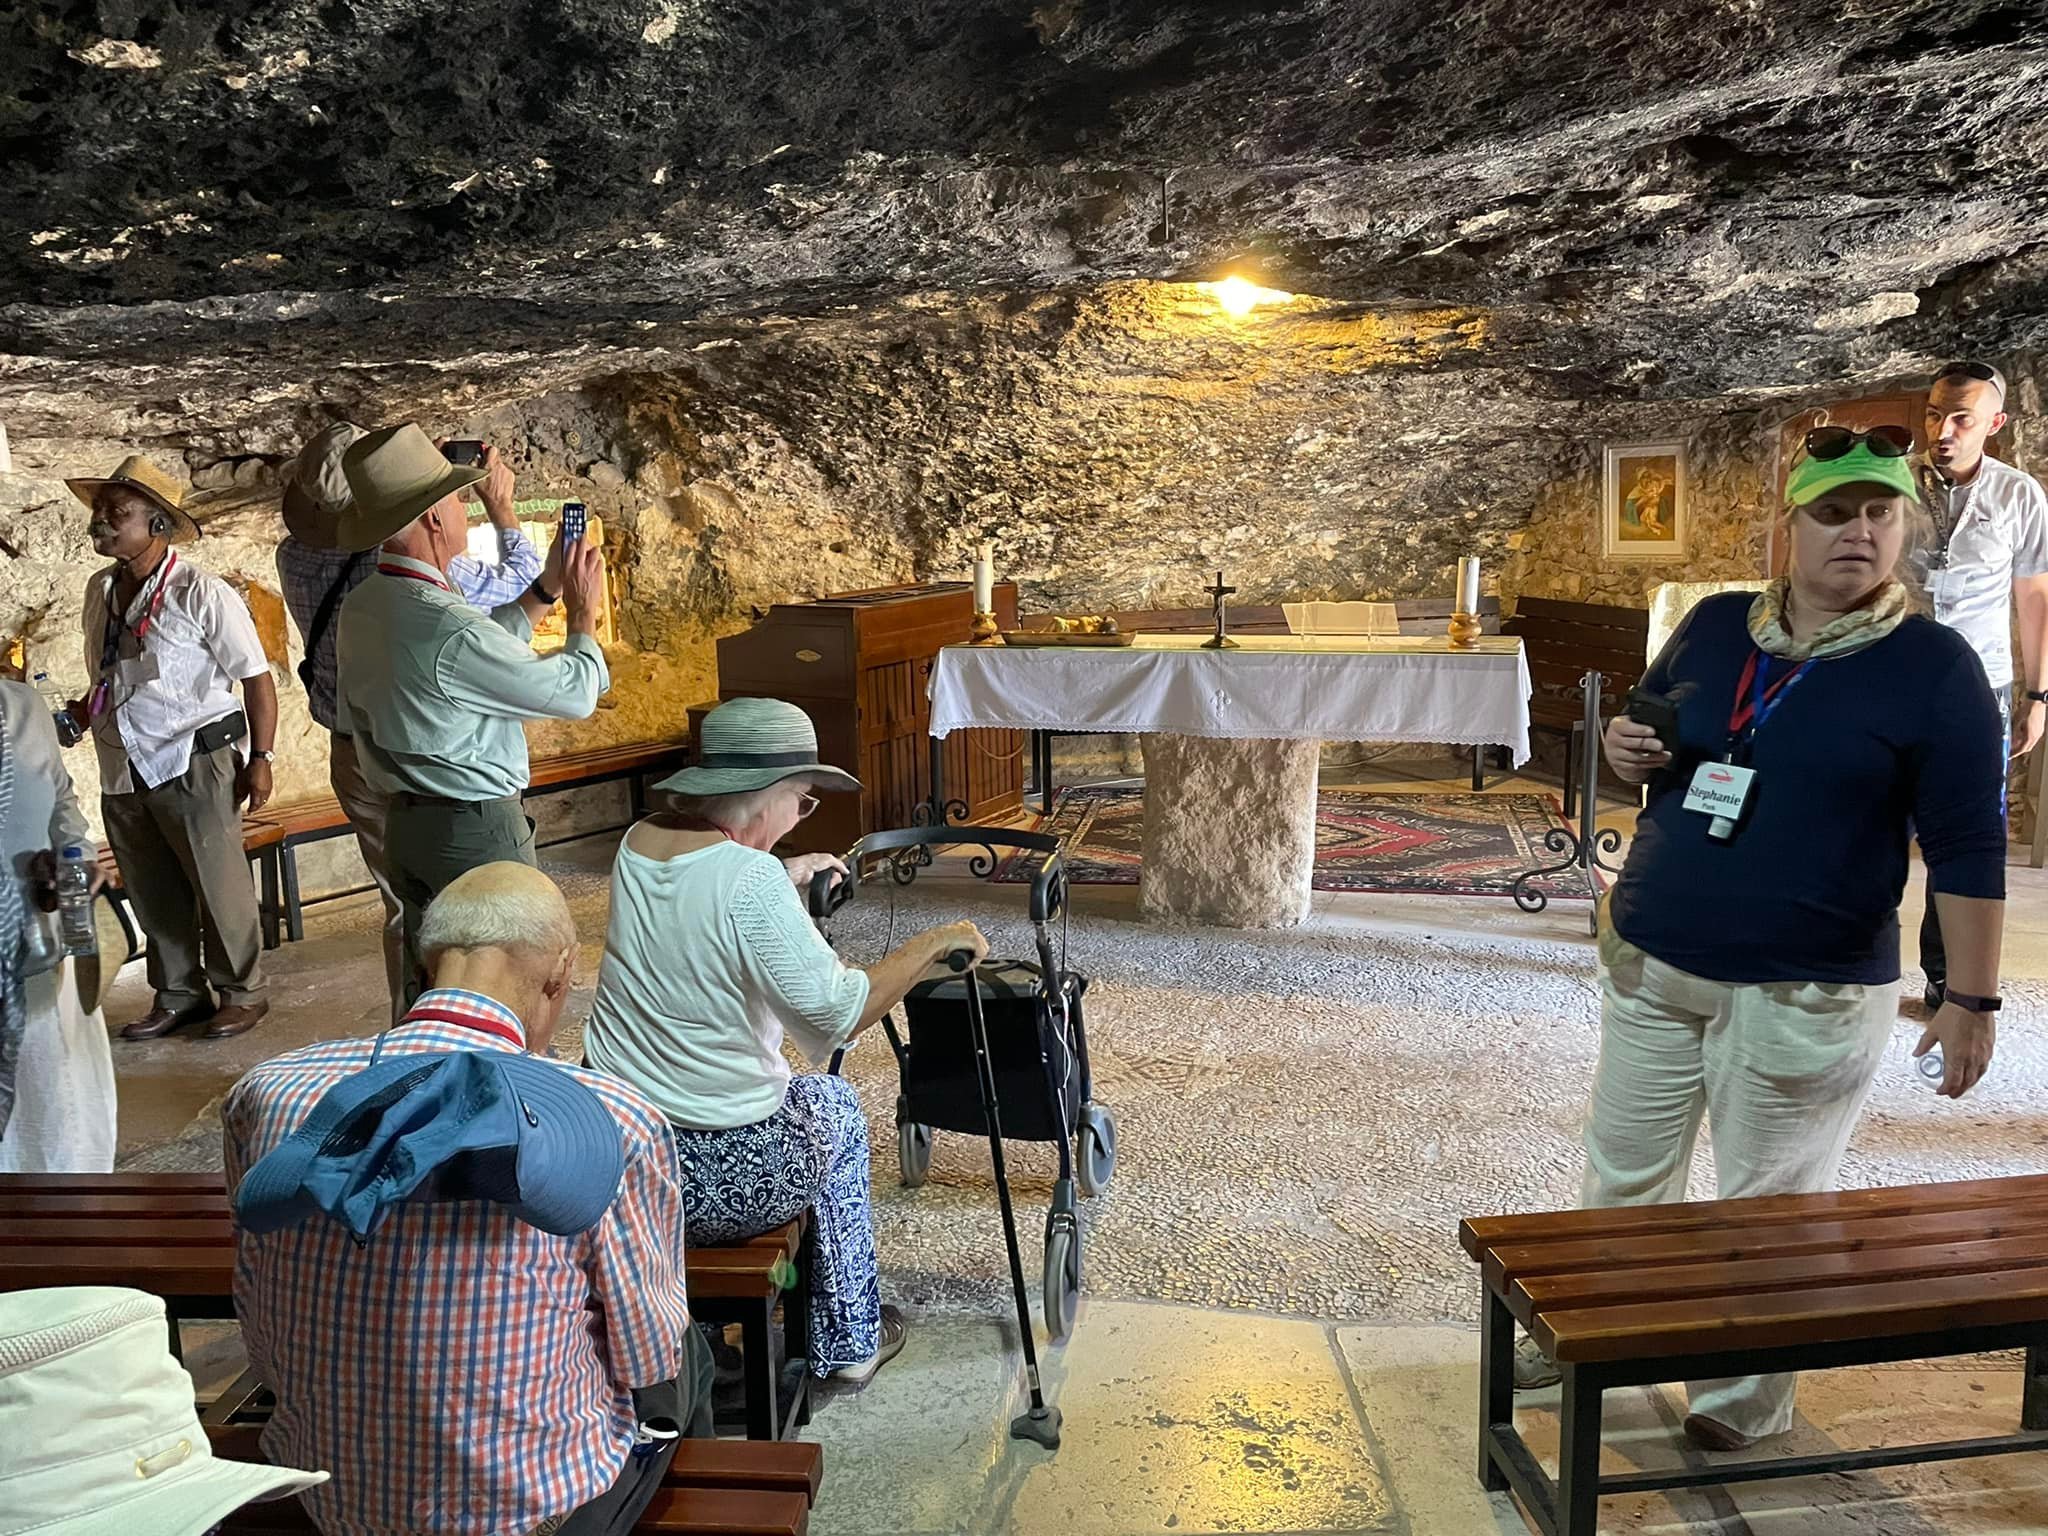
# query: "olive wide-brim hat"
{"points": [[393, 476], [749, 744]]}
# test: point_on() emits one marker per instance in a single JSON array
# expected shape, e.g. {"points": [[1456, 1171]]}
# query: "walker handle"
{"points": [[960, 960]]}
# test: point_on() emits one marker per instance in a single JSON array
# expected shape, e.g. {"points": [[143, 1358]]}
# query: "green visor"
{"points": [[1812, 478]]}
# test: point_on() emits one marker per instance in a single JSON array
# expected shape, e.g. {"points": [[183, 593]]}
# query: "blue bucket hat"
{"points": [[465, 1125]]}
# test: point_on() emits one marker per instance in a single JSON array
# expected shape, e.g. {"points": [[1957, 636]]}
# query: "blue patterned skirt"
{"points": [[810, 1154]]}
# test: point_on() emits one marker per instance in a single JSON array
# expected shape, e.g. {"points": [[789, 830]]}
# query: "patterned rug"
{"points": [[1419, 844]]}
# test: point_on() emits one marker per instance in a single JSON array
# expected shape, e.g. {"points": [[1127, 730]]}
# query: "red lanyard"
{"points": [[399, 570], [481, 1023], [1753, 700]]}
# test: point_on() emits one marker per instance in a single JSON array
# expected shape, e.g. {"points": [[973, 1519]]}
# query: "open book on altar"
{"points": [[1341, 618]]}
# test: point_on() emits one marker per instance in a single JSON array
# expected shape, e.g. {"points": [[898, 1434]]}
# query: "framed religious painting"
{"points": [[1643, 502]]}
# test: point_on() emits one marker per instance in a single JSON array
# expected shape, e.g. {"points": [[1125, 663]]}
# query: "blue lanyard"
{"points": [[1764, 697]]}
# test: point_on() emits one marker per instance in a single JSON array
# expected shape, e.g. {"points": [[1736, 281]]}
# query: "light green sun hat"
{"points": [[1813, 478], [748, 744]]}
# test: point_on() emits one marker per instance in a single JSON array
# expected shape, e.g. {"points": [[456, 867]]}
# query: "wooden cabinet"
{"points": [[859, 664]]}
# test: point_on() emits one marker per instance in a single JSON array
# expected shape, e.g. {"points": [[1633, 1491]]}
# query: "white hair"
{"points": [[738, 809], [532, 921]]}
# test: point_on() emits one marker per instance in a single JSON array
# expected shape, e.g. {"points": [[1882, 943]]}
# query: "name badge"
{"points": [[137, 670], [1720, 789]]}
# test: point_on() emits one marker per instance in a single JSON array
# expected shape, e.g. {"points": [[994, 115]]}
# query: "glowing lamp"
{"points": [[1238, 297]]}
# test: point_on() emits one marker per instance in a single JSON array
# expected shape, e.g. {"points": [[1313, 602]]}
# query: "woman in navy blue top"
{"points": [[1750, 962]]}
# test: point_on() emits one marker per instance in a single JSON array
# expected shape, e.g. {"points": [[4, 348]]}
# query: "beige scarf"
{"points": [[1851, 632]]}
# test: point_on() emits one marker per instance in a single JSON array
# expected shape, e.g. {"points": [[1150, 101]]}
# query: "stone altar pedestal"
{"points": [[1230, 830]]}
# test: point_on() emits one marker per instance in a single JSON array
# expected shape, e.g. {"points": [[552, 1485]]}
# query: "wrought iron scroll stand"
{"points": [[1581, 849]]}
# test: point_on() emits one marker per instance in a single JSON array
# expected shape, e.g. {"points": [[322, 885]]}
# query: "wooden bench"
{"points": [[169, 1234], [1412, 616], [263, 844], [1646, 1294], [1565, 641], [712, 1488], [314, 821]]}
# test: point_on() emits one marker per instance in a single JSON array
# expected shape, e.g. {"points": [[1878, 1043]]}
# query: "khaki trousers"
{"points": [[1780, 1072], [430, 842], [180, 851], [369, 810]]}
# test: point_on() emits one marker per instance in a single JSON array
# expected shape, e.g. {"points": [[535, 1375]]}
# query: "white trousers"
{"points": [[1779, 1070], [63, 1118]]}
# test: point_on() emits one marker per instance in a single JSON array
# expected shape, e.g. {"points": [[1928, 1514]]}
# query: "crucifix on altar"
{"points": [[1219, 641]]}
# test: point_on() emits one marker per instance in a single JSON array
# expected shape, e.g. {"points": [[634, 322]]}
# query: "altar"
{"points": [[1232, 739]]}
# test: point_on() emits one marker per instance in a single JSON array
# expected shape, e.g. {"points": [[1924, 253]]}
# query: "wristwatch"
{"points": [[1970, 1003], [262, 755], [2035, 695], [541, 592]]}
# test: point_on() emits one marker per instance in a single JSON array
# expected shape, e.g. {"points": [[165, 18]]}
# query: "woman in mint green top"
{"points": [[710, 965]]}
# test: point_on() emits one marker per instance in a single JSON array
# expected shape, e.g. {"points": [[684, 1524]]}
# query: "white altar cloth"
{"points": [[1407, 688]]}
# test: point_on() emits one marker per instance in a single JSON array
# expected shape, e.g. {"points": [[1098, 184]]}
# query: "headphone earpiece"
{"points": [[160, 522]]}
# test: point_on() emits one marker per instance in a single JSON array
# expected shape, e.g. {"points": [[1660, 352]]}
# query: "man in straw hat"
{"points": [[435, 694], [166, 643], [470, 1302], [56, 1072], [316, 571], [98, 1435]]}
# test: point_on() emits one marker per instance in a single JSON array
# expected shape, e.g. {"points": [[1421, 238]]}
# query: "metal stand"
{"points": [[1581, 849]]}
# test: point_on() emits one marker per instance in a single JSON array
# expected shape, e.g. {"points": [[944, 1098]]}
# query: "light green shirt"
{"points": [[436, 694]]}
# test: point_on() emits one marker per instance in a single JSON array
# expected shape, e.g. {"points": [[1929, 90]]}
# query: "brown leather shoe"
{"points": [[237, 1019], [161, 1021], [1712, 1435]]}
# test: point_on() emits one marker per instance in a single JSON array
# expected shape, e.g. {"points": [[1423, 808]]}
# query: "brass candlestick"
{"points": [[984, 631], [1464, 630]]}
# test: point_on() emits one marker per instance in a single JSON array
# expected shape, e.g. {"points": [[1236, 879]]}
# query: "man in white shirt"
{"points": [[165, 645], [1990, 555]]}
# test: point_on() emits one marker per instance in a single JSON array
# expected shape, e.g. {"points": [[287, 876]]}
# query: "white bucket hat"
{"points": [[98, 1435]]}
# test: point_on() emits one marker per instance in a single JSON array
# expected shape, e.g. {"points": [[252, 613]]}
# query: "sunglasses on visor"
{"points": [[1832, 442], [1982, 373]]}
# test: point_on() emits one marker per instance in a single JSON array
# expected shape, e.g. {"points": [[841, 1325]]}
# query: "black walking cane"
{"points": [[1041, 1423]]}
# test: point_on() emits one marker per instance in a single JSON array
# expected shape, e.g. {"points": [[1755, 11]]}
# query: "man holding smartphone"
{"points": [[1990, 556], [437, 695], [316, 572]]}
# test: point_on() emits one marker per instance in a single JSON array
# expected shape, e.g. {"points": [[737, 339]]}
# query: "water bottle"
{"points": [[74, 900], [1931, 1067], [53, 699]]}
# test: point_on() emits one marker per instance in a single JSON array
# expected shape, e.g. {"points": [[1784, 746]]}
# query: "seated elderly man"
{"points": [[459, 1369], [709, 962]]}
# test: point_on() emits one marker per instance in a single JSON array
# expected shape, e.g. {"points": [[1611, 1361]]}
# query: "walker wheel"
{"points": [[1095, 1149], [1062, 1280], [913, 1152]]}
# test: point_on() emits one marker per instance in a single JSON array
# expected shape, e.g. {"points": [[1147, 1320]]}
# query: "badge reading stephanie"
{"points": [[1720, 790]]}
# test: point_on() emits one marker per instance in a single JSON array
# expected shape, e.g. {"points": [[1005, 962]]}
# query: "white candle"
{"points": [[985, 579], [1468, 584]]}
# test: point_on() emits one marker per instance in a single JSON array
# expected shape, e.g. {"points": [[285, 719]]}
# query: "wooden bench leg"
{"points": [[294, 913], [1478, 769], [268, 904], [757, 1359], [796, 1324], [2034, 1390], [1578, 1455], [1496, 1385]]}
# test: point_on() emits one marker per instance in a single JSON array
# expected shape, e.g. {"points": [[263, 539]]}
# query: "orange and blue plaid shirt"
{"points": [[461, 1373]]}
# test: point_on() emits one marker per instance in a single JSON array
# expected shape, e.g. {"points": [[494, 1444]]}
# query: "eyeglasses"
{"points": [[1887, 442], [805, 804], [1983, 373]]}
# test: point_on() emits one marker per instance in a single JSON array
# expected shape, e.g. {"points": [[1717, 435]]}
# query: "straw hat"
{"points": [[138, 474], [395, 475], [98, 1426], [748, 744], [316, 493]]}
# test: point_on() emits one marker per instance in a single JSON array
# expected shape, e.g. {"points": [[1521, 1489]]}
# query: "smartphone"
{"points": [[467, 451], [1657, 712], [575, 520]]}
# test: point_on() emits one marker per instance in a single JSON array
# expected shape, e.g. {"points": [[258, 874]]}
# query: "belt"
{"points": [[407, 797]]}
